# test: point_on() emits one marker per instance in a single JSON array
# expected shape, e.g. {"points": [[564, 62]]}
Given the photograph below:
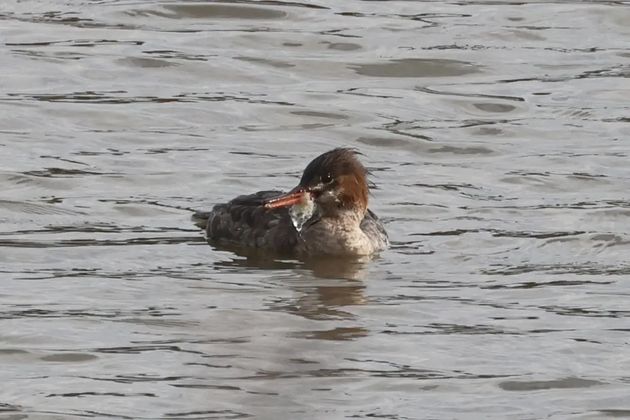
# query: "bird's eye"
{"points": [[327, 179]]}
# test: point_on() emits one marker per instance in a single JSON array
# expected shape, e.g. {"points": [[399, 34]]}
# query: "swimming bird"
{"points": [[326, 214]]}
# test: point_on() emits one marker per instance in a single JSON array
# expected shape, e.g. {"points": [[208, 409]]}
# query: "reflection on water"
{"points": [[343, 287], [494, 132]]}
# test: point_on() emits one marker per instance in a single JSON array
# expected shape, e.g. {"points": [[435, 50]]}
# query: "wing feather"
{"points": [[245, 221]]}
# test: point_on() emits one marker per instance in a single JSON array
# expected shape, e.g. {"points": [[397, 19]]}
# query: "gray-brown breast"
{"points": [[246, 222]]}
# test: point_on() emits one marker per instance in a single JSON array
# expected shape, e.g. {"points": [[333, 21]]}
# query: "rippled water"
{"points": [[497, 134]]}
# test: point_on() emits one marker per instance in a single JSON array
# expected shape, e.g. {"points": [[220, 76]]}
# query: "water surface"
{"points": [[497, 135]]}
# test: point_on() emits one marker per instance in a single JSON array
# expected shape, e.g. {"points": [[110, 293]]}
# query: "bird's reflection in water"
{"points": [[324, 288]]}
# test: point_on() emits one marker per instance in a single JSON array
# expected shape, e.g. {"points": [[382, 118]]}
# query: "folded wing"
{"points": [[245, 221]]}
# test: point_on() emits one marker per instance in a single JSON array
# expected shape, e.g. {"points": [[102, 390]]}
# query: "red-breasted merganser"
{"points": [[325, 214]]}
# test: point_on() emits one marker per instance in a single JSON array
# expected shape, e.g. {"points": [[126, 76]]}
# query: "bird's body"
{"points": [[336, 221]]}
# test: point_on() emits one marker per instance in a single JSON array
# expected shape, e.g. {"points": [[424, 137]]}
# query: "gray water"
{"points": [[498, 138]]}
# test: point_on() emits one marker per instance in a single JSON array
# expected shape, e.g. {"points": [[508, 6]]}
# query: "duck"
{"points": [[325, 214]]}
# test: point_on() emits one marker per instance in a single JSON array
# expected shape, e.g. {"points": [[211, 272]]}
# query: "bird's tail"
{"points": [[200, 219]]}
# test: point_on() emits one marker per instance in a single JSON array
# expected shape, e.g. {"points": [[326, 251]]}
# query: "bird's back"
{"points": [[245, 221]]}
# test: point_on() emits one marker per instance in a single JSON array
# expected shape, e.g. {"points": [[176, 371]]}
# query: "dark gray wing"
{"points": [[245, 221]]}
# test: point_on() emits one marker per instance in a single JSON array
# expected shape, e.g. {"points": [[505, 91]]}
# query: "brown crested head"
{"points": [[337, 180]]}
